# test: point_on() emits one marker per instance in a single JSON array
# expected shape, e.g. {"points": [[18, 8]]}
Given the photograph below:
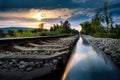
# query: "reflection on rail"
{"points": [[89, 63]]}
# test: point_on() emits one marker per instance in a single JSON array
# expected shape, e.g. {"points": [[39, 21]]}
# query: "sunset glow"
{"points": [[35, 12]]}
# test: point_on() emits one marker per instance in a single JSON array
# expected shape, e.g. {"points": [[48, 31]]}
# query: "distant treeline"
{"points": [[101, 25], [62, 29]]}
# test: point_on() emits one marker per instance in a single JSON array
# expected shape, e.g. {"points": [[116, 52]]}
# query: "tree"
{"points": [[96, 23], [66, 25], [16, 33], [10, 33], [111, 21], [86, 27], [63, 28], [20, 31], [107, 17], [41, 26], [1, 33]]}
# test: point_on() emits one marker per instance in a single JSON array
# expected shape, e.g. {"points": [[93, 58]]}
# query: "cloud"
{"points": [[112, 2], [116, 5], [116, 19], [78, 18], [52, 20], [18, 19], [49, 4], [79, 1], [52, 4], [32, 17], [38, 14], [82, 14], [32, 12]]}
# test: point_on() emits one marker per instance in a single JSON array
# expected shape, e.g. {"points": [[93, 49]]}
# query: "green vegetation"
{"points": [[62, 29], [101, 25]]}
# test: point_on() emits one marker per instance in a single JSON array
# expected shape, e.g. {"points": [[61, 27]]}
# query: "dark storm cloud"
{"points": [[113, 7], [50, 4], [116, 12], [52, 20], [78, 18], [110, 6]]}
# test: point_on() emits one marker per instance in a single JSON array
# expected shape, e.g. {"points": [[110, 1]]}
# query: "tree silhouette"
{"points": [[107, 17], [63, 28], [41, 25], [96, 22], [1, 33]]}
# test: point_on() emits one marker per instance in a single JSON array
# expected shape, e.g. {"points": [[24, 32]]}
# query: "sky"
{"points": [[30, 13]]}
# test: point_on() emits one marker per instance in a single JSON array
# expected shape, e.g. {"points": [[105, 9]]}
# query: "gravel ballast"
{"points": [[107, 45]]}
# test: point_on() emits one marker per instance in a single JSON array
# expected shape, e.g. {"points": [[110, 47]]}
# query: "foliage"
{"points": [[62, 29], [1, 33], [107, 17], [86, 27], [101, 25], [41, 25]]}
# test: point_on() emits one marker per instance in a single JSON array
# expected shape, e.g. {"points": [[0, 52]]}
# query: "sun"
{"points": [[38, 16]]}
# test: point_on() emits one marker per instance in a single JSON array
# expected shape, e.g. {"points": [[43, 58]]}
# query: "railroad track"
{"points": [[31, 55], [40, 49]]}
